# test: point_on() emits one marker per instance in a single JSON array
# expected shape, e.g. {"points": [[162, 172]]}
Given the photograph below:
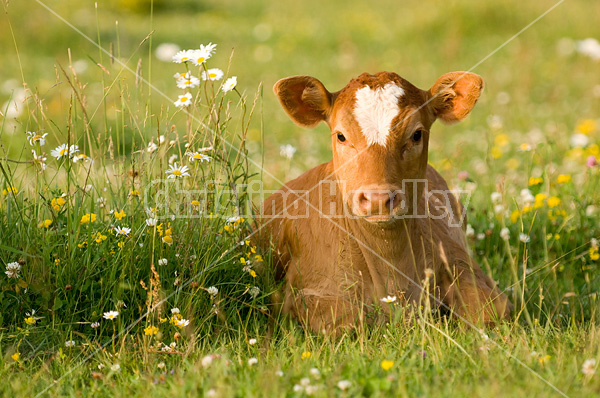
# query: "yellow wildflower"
{"points": [[563, 178], [45, 224], [535, 181], [527, 209], [16, 356], [57, 203], [594, 255], [553, 202], [121, 245], [544, 359], [306, 355], [135, 192], [162, 320], [99, 237], [82, 245], [119, 215], [495, 152], [88, 218], [242, 260], [30, 320], [587, 126], [151, 330], [57, 261], [258, 258], [167, 239], [252, 273], [195, 203], [514, 216], [8, 190], [386, 365]]}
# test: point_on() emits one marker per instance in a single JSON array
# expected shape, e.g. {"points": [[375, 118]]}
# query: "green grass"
{"points": [[537, 93]]}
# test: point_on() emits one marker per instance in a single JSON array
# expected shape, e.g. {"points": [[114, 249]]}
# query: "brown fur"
{"points": [[337, 267]]}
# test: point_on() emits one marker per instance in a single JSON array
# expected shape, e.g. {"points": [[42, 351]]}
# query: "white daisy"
{"points": [[212, 74], [64, 151], [39, 160], [182, 75], [183, 56], [200, 56], [111, 315], [175, 310], [166, 51], [36, 138], [82, 157], [151, 222], [234, 219], [181, 323], [210, 47], [229, 84], [189, 82], [177, 171], [198, 156], [388, 299], [122, 231], [184, 100]]}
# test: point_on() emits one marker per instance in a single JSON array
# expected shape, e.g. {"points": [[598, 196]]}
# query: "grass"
{"points": [[540, 94]]}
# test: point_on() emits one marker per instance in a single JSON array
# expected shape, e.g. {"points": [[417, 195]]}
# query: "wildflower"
{"points": [[70, 343], [16, 356], [388, 299], [524, 238], [252, 341], [95, 325], [315, 373], [535, 181], [591, 161], [57, 203], [563, 178], [161, 365], [543, 359], [82, 245], [589, 367], [278, 373], [35, 138], [463, 175], [198, 57], [181, 323], [122, 231], [344, 385], [505, 233], [184, 100], [501, 140], [175, 310], [386, 365], [594, 255], [183, 56], [82, 157], [151, 147], [254, 291], [8, 190], [579, 140], [135, 192], [198, 156], [45, 224], [151, 222], [306, 355], [210, 48], [590, 48], [495, 152], [162, 261], [30, 320], [496, 197], [12, 270], [206, 361], [111, 315], [587, 126], [252, 361], [195, 203], [498, 209], [166, 51], [229, 84], [167, 239], [39, 160], [150, 331], [121, 245], [188, 82], [177, 171], [213, 291], [116, 367], [88, 218], [100, 238], [553, 201], [525, 147], [235, 220], [287, 151], [64, 151], [212, 74]]}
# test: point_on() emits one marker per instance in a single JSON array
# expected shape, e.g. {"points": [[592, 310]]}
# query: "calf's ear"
{"points": [[305, 99], [454, 95]]}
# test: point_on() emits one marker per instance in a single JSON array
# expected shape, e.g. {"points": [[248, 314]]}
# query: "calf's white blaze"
{"points": [[374, 111]]}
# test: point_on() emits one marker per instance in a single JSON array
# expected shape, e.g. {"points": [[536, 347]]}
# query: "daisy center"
{"points": [[63, 151], [176, 172], [200, 60]]}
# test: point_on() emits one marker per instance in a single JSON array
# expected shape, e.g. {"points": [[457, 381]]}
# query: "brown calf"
{"points": [[377, 220]]}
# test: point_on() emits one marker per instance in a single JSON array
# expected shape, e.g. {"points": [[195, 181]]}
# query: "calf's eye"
{"points": [[417, 135], [341, 137]]}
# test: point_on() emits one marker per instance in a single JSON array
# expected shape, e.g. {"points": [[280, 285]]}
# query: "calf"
{"points": [[377, 220]]}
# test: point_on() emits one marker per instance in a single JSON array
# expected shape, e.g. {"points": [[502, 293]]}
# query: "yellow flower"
{"points": [[45, 224], [306, 355], [8, 190], [168, 231], [82, 245], [495, 152], [563, 178], [252, 273], [99, 238], [228, 228], [88, 218], [151, 330], [16, 356], [527, 209], [501, 140], [535, 181], [544, 359], [258, 258], [57, 203], [162, 320], [167, 239], [119, 215], [57, 261], [587, 126], [121, 245], [242, 260], [30, 320], [553, 202], [135, 192], [195, 203], [514, 216], [556, 236], [386, 365], [594, 255]]}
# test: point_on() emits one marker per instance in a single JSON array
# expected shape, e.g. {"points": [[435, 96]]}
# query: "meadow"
{"points": [[127, 182]]}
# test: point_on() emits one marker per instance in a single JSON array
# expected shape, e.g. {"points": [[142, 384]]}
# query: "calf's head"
{"points": [[380, 128]]}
